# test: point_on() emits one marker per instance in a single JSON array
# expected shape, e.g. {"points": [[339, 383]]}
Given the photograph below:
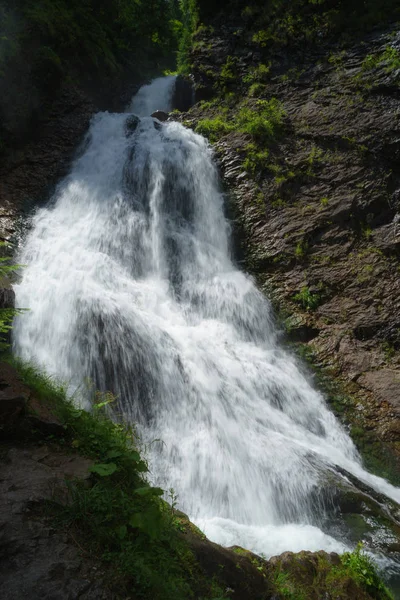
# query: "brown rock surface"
{"points": [[323, 213], [37, 562]]}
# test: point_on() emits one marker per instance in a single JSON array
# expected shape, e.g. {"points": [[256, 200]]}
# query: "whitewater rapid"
{"points": [[130, 282]]}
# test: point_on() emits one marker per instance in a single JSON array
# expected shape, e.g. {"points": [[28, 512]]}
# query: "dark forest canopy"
{"points": [[106, 34], [96, 44]]}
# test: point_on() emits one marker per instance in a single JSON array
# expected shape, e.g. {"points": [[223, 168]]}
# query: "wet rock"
{"points": [[237, 571], [7, 297], [131, 124], [160, 115], [183, 97], [14, 396]]}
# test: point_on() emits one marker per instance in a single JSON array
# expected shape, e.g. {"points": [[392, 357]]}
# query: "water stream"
{"points": [[130, 282]]}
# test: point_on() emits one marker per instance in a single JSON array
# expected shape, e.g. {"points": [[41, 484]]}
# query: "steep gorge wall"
{"points": [[317, 202]]}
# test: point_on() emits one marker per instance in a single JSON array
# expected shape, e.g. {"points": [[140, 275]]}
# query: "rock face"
{"points": [[28, 174], [319, 220], [160, 115], [183, 97], [37, 561]]}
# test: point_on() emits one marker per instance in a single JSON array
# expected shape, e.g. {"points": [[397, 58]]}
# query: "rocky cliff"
{"points": [[315, 200]]}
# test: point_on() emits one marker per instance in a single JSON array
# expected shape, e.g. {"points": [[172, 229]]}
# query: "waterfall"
{"points": [[130, 282]]}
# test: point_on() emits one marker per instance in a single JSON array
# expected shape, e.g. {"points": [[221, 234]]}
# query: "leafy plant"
{"points": [[359, 566], [301, 249], [262, 121], [7, 271], [213, 129], [307, 299]]}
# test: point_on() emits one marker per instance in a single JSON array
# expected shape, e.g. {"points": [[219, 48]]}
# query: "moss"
{"points": [[306, 576]]}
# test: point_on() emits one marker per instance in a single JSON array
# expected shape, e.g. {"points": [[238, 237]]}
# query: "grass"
{"points": [[214, 129], [390, 58], [301, 249], [358, 566], [328, 579], [119, 518], [262, 120]]}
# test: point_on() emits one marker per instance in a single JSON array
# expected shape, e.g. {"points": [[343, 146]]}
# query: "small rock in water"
{"points": [[160, 115], [131, 124]]}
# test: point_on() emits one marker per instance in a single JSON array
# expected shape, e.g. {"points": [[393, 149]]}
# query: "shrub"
{"points": [[263, 121], [213, 129], [7, 270], [307, 299]]}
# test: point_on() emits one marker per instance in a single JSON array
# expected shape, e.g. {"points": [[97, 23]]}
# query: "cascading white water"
{"points": [[130, 282], [155, 96]]}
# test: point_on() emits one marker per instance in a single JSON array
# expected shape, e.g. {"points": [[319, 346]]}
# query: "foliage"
{"points": [[119, 517], [213, 129], [389, 58], [307, 21], [286, 587], [258, 74], [189, 23], [326, 579], [107, 35], [301, 249], [7, 270], [358, 566], [307, 299], [262, 121], [256, 159]]}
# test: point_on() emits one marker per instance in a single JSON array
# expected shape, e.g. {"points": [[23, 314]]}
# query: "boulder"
{"points": [[160, 115], [131, 124]]}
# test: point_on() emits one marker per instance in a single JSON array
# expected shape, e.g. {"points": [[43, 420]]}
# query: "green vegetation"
{"points": [[92, 44], [105, 35], [302, 21], [262, 120], [189, 21], [390, 58], [256, 159], [325, 577], [307, 299], [258, 74], [301, 249], [7, 270], [119, 517], [358, 566], [213, 129], [313, 159]]}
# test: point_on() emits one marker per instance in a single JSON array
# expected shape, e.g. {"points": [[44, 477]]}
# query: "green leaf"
{"points": [[114, 454], [103, 469], [135, 456], [122, 531], [149, 491]]}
